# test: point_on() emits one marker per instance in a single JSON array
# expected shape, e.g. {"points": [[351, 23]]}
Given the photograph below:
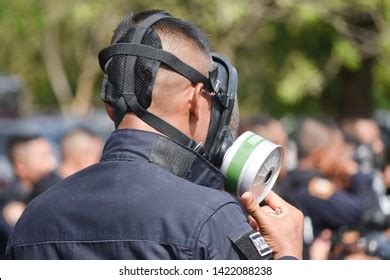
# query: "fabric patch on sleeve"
{"points": [[321, 188], [253, 246]]}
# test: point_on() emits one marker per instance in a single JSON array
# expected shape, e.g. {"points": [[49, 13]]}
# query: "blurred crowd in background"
{"points": [[36, 166], [304, 62], [338, 174]]}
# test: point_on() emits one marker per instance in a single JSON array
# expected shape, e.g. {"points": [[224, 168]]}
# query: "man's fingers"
{"points": [[253, 208], [267, 209], [253, 223], [249, 203], [275, 201]]}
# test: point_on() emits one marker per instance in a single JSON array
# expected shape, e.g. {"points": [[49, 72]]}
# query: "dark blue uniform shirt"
{"points": [[148, 198], [340, 208]]}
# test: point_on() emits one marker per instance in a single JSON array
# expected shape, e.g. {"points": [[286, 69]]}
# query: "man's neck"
{"points": [[132, 122], [66, 169]]}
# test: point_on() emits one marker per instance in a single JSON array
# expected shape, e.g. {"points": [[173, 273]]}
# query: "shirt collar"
{"points": [[131, 144]]}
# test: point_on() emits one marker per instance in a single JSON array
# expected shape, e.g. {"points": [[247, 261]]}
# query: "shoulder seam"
{"points": [[202, 223]]}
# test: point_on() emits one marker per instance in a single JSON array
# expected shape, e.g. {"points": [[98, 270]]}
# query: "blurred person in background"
{"points": [[386, 196], [370, 147], [327, 185], [321, 246], [370, 152], [377, 220], [32, 160], [272, 130], [386, 173], [80, 148]]}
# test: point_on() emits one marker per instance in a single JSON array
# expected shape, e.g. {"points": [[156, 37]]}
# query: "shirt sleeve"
{"points": [[216, 237]]}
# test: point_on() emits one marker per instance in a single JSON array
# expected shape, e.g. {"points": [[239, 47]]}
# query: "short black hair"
{"points": [[312, 132], [170, 25], [17, 140], [80, 129]]}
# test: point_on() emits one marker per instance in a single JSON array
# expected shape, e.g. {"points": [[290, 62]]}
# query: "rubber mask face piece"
{"points": [[234, 120], [224, 115]]}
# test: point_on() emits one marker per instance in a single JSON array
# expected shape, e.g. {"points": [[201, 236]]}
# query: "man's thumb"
{"points": [[253, 208]]}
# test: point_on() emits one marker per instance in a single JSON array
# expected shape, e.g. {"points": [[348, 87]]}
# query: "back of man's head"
{"points": [[268, 127], [16, 145], [80, 148], [177, 27], [312, 134], [171, 34], [194, 95], [261, 120], [31, 156], [367, 131]]}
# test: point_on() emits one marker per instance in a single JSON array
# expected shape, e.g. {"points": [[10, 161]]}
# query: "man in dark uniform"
{"points": [[152, 196], [32, 161], [327, 185]]}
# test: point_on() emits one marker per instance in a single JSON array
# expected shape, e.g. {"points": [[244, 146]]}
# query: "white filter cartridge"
{"points": [[252, 164]]}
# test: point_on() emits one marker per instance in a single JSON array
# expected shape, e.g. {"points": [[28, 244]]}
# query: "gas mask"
{"points": [[249, 163]]}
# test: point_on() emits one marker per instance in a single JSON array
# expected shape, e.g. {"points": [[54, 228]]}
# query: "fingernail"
{"points": [[246, 197]]}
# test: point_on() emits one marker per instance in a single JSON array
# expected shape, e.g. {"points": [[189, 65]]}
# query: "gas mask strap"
{"points": [[120, 105], [120, 109], [128, 85], [135, 50], [161, 125]]}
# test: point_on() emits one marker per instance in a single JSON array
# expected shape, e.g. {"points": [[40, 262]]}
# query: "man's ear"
{"points": [[109, 110], [195, 102]]}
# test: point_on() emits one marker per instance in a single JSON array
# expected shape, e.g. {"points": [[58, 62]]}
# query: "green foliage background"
{"points": [[289, 53]]}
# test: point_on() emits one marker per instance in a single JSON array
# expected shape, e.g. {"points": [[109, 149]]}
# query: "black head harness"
{"points": [[131, 67]]}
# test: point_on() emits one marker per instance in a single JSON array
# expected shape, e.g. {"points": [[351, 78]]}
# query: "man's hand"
{"points": [[280, 223], [320, 248]]}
